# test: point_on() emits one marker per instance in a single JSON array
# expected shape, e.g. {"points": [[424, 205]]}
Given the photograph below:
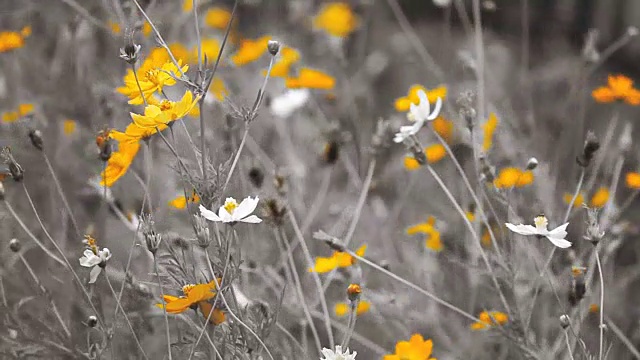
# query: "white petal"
{"points": [[522, 229], [93, 275], [89, 259], [251, 219], [246, 207], [561, 243], [286, 104], [224, 215], [416, 113], [105, 254], [436, 111], [208, 214], [559, 232]]}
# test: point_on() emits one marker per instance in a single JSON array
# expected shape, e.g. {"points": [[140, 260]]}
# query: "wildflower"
{"points": [[94, 258], [633, 180], [217, 18], [577, 203], [354, 291], [16, 171], [488, 319], [417, 348], [210, 50], [151, 237], [513, 177], [153, 80], [311, 79], [578, 287], [532, 163], [342, 308], [600, 198], [593, 232], [69, 127], [403, 104], [195, 295], [286, 104], [21, 111], [115, 27], [232, 212], [591, 145], [619, 87], [338, 354], [92, 321], [434, 153], [288, 56], [556, 236], [432, 235], [444, 128], [488, 129], [11, 40], [337, 260], [187, 5], [218, 89], [202, 231], [331, 152], [336, 19], [594, 308], [419, 114], [165, 112], [120, 160], [130, 53], [35, 136], [146, 28], [250, 50], [180, 202]]}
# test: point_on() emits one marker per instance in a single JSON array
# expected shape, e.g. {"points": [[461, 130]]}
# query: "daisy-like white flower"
{"points": [[286, 104], [232, 212], [556, 236], [329, 354], [420, 114], [94, 258]]}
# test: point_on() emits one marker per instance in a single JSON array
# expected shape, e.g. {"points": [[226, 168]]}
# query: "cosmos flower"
{"points": [[336, 19], [218, 89], [417, 348], [597, 201], [165, 111], [94, 258], [337, 260], [286, 57], [21, 111], [632, 180], [556, 236], [180, 202], [311, 79], [419, 114], [403, 104], [69, 127], [195, 295], [250, 50], [338, 354], [342, 308], [232, 212], [488, 129], [120, 160], [489, 319], [217, 18], [11, 40], [152, 79], [434, 153], [432, 235], [513, 177], [618, 88], [286, 104], [444, 128], [210, 50]]}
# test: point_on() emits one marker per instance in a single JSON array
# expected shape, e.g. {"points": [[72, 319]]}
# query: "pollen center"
{"points": [[230, 205], [187, 288], [541, 222], [165, 105]]}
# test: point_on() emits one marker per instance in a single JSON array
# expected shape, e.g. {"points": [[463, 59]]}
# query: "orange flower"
{"points": [[69, 127], [311, 79], [417, 348], [342, 308], [210, 49], [11, 40], [250, 50], [513, 177], [336, 19], [180, 202], [336, 260], [402, 104], [600, 198], [577, 203], [444, 128], [217, 18], [115, 27], [633, 180], [619, 87], [434, 153], [489, 319], [594, 308], [432, 235], [489, 128], [146, 29], [198, 294], [120, 160], [287, 57]]}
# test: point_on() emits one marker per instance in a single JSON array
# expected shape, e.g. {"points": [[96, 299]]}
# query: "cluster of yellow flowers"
{"points": [[11, 40], [487, 319], [598, 200], [337, 260], [21, 111], [432, 235]]}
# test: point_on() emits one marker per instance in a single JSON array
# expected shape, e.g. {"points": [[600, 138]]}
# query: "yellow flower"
{"points": [[250, 50], [432, 235], [10, 116], [576, 204], [25, 31], [151, 81], [165, 112], [287, 57], [199, 295], [336, 260], [146, 29], [25, 109], [22, 111], [489, 319], [11, 40], [600, 198], [342, 308], [180, 202], [594, 308], [115, 27], [619, 87], [141, 133], [513, 177], [311, 79], [210, 49], [434, 153], [402, 104], [417, 348], [217, 18], [187, 5], [336, 19], [120, 160], [69, 127], [444, 128], [489, 128], [633, 180], [218, 89]]}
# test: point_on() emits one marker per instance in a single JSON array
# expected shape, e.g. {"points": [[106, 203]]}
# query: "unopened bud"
{"points": [[591, 145], [353, 292], [565, 321], [273, 46], [202, 231], [15, 245], [36, 139], [532, 163], [92, 321], [130, 53]]}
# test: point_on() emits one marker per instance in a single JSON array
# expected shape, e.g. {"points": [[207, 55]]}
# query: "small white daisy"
{"points": [[420, 114], [95, 260], [232, 212], [329, 354], [556, 236]]}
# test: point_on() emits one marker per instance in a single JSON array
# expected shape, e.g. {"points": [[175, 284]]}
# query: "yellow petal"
{"points": [[69, 127]]}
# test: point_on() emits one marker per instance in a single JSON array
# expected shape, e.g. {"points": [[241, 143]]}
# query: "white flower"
{"points": [[556, 236], [286, 104], [338, 354], [231, 212], [442, 3], [420, 113], [95, 261]]}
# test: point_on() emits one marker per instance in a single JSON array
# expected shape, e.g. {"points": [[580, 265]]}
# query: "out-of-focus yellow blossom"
{"points": [[69, 126], [594, 308], [25, 109], [432, 235], [337, 260], [180, 202], [115, 27], [489, 319], [470, 216], [434, 153], [217, 18], [619, 87], [513, 177], [120, 160], [444, 128], [165, 112], [287, 57], [311, 79], [218, 89], [10, 116], [336, 19], [633, 180], [599, 198], [250, 50], [21, 111], [187, 5], [11, 40], [485, 240], [199, 295], [417, 348], [342, 308], [146, 28], [142, 133], [151, 81], [210, 49], [488, 129], [403, 104], [577, 203]]}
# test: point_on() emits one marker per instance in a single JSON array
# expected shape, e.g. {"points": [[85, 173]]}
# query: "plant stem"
{"points": [[236, 158], [61, 193], [600, 353], [566, 336], [164, 308]]}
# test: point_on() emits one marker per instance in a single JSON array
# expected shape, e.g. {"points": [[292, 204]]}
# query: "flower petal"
{"points": [[560, 232], [246, 207], [93, 275], [89, 259], [208, 214], [561, 243], [251, 219], [436, 111], [522, 229]]}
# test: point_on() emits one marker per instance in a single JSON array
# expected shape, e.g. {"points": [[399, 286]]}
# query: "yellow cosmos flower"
{"points": [[11, 40], [342, 308], [417, 348], [311, 79], [432, 235], [619, 87], [180, 202], [489, 319], [434, 153], [336, 19], [599, 198], [22, 111], [199, 295], [633, 180], [250, 50], [69, 127], [286, 57], [146, 29], [120, 160], [115, 27], [577, 203], [444, 128], [488, 129], [153, 81], [187, 5], [336, 260], [513, 177], [142, 133], [210, 49], [165, 112], [217, 18], [594, 308], [218, 89], [403, 104]]}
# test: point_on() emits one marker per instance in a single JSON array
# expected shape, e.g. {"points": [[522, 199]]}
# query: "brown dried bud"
{"points": [[591, 145], [331, 152], [36, 139], [15, 245]]}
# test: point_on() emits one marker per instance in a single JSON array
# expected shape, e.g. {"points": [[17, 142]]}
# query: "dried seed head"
{"points": [[151, 238], [331, 152], [591, 145], [532, 163], [17, 173], [274, 212], [273, 46], [354, 291], [202, 231], [15, 245], [256, 176], [130, 53], [36, 139], [92, 321], [593, 233], [487, 171], [565, 321]]}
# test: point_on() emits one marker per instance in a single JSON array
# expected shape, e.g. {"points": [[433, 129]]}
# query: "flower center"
{"points": [[152, 75], [230, 204], [166, 105], [541, 222], [187, 288]]}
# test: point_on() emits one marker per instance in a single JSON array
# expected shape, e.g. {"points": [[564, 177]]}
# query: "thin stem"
{"points": [[353, 316], [236, 158], [624, 339], [566, 337], [164, 308], [135, 75], [61, 193], [119, 305], [149, 165], [479, 43], [292, 338], [600, 353]]}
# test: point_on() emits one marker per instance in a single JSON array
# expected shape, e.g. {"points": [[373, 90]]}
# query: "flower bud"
{"points": [[92, 321], [532, 163], [256, 175], [273, 46], [565, 321], [15, 245], [353, 292], [202, 231], [591, 145], [36, 138], [632, 31], [130, 53]]}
